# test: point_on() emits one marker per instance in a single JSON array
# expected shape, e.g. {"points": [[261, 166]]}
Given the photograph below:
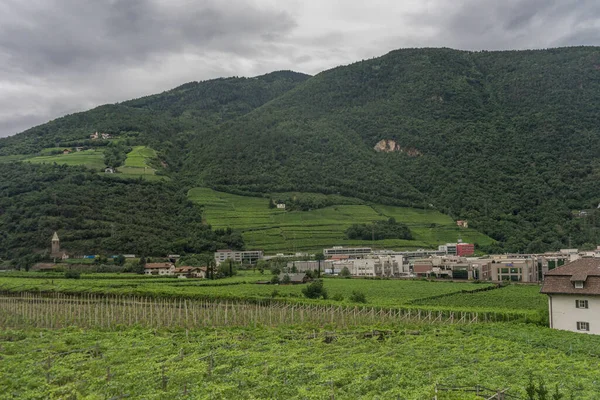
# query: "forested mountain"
{"points": [[96, 214], [507, 140], [167, 121]]}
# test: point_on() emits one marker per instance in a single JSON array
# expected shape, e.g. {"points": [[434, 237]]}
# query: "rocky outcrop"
{"points": [[390, 146]]}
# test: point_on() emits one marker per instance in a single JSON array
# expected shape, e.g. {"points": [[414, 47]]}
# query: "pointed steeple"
{"points": [[55, 237]]}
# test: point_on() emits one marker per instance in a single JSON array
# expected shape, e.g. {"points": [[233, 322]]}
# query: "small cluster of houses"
{"points": [[69, 151], [96, 136], [169, 269]]}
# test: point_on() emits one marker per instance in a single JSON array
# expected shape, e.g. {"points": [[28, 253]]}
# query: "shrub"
{"points": [[345, 273], [72, 274], [337, 297], [358, 297], [286, 279], [315, 290], [275, 280]]}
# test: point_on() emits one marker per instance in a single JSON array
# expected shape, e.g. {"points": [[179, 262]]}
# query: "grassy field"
{"points": [[138, 157], [93, 158], [304, 363], [17, 157], [515, 297], [136, 164], [278, 230]]}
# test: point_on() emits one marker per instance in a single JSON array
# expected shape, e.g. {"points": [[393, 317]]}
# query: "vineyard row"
{"points": [[93, 311]]}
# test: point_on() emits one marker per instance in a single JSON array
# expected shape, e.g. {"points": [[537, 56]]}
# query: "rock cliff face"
{"points": [[390, 146]]}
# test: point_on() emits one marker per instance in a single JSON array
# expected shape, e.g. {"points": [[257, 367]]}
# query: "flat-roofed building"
{"points": [[347, 251], [244, 257]]}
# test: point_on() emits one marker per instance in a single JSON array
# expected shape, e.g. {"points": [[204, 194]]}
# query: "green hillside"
{"points": [[506, 140], [137, 163], [276, 230]]}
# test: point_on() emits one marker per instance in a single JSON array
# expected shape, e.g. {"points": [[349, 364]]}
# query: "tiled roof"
{"points": [[561, 280], [157, 265]]}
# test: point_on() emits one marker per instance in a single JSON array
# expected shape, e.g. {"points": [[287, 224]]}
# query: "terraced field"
{"points": [[136, 164], [278, 230], [93, 158]]}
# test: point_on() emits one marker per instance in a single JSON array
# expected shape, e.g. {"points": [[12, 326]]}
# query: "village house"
{"points": [[159, 269], [190, 272], [67, 151], [109, 170], [574, 296], [462, 223], [94, 135], [105, 135], [43, 267], [281, 206], [295, 279]]}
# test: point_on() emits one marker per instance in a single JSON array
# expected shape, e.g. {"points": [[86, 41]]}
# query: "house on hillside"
{"points": [[295, 279], [573, 293], [94, 135], [67, 151], [105, 136], [43, 267], [190, 272], [281, 206], [159, 269], [109, 170], [462, 224]]}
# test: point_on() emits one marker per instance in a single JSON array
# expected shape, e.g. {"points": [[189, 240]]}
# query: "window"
{"points": [[583, 326], [581, 303], [578, 284]]}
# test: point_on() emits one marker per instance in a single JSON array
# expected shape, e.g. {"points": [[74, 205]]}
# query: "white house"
{"points": [[574, 296], [159, 269], [281, 206]]}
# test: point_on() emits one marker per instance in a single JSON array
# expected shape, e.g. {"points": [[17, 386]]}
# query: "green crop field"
{"points": [[512, 297], [400, 362], [136, 164], [93, 158], [525, 300], [278, 230], [138, 157]]}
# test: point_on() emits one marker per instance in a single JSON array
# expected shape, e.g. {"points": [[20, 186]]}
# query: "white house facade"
{"points": [[574, 296]]}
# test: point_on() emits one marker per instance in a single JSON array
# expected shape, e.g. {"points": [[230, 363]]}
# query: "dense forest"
{"points": [[506, 140], [94, 214]]}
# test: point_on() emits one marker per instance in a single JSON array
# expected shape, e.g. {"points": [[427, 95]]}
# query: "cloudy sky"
{"points": [[63, 56]]}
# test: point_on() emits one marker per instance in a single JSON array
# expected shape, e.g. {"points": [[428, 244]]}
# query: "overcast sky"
{"points": [[63, 56]]}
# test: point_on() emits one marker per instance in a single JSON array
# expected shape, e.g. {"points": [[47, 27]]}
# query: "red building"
{"points": [[465, 249]]}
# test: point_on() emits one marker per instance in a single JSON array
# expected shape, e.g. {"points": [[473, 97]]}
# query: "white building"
{"points": [[159, 269], [574, 296], [386, 266], [244, 257], [347, 251]]}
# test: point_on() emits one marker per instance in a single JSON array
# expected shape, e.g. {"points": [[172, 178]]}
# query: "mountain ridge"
{"points": [[505, 139]]}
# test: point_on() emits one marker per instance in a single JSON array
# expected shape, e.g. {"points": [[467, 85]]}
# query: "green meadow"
{"points": [[136, 164], [276, 230], [93, 158]]}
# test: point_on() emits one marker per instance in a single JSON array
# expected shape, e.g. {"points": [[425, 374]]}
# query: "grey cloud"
{"points": [[513, 24], [19, 123], [60, 56], [85, 33]]}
